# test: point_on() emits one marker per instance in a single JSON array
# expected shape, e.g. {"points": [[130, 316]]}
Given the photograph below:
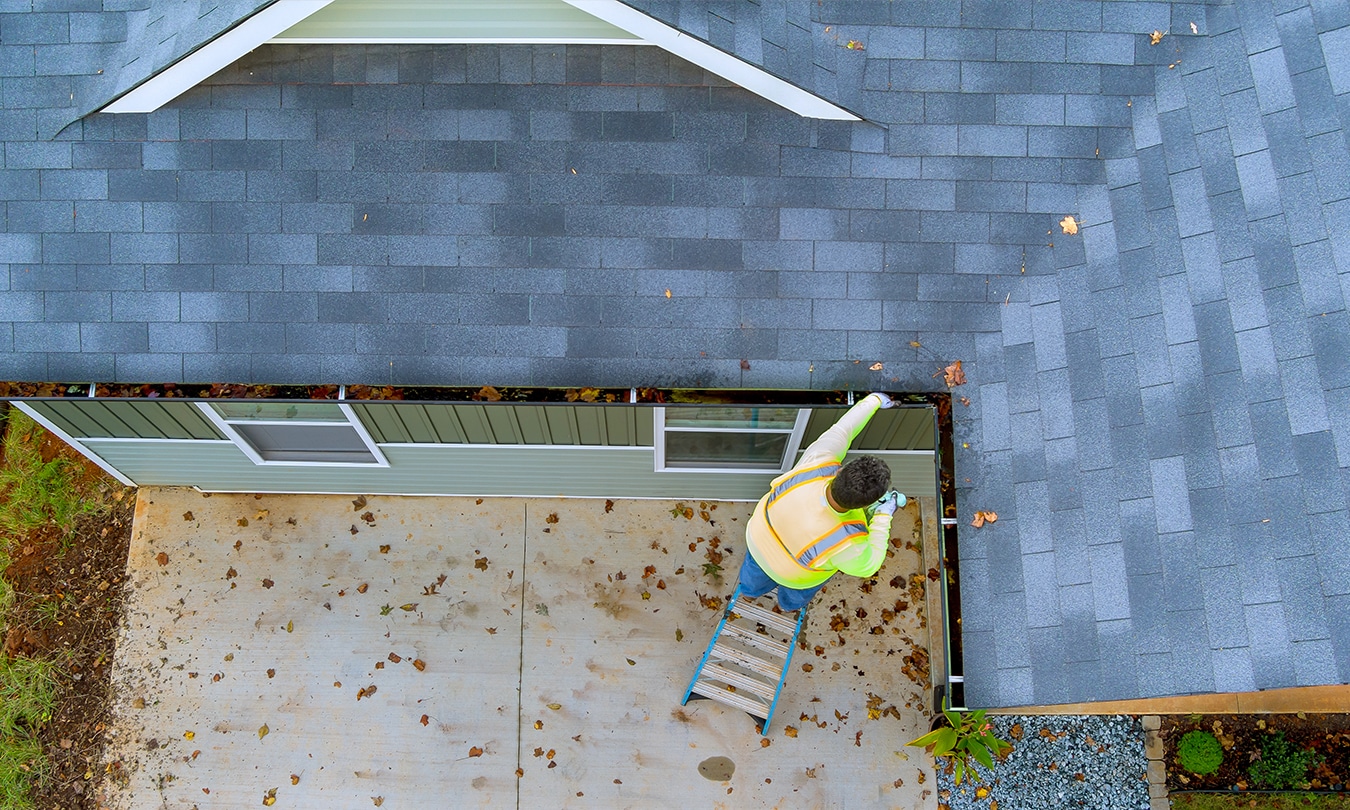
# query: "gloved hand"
{"points": [[890, 502], [886, 401]]}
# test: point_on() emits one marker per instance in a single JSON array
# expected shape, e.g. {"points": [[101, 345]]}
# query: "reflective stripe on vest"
{"points": [[839, 537], [826, 470]]}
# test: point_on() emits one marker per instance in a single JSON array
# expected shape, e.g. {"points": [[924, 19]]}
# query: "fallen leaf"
{"points": [[1069, 225], [395, 657], [354, 530], [791, 731], [631, 662], [764, 742], [231, 573], [489, 393], [290, 627], [187, 735], [667, 293], [679, 634], [555, 706], [475, 751], [162, 558], [295, 779], [609, 506], [538, 724], [263, 731], [378, 800], [410, 607], [367, 692], [262, 513], [419, 664], [271, 673], [953, 375], [385, 610], [384, 549], [492, 631], [267, 583], [1153, 39], [982, 518], [359, 503], [552, 518], [369, 517], [875, 367], [188, 516], [1194, 29], [425, 720], [242, 521], [270, 798], [855, 45], [914, 344], [362, 588]]}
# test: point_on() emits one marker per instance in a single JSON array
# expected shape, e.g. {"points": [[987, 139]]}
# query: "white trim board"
{"points": [[449, 41], [733, 69], [196, 67], [264, 25]]}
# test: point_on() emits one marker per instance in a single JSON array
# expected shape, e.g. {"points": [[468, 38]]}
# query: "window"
{"points": [[296, 433], [722, 439]]}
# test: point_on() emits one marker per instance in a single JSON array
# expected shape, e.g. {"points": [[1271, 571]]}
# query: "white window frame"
{"points": [[226, 426], [794, 442]]}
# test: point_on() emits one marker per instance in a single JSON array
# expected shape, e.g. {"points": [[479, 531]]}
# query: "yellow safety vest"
{"points": [[794, 532]]}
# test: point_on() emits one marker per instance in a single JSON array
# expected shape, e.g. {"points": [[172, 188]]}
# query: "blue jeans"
{"points": [[754, 582]]}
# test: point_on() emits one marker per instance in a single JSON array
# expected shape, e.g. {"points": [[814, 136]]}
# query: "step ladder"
{"points": [[746, 663]]}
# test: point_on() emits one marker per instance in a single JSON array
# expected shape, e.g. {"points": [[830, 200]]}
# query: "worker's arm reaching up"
{"points": [[833, 443]]}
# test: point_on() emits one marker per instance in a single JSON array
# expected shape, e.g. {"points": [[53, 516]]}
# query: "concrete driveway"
{"points": [[435, 652]]}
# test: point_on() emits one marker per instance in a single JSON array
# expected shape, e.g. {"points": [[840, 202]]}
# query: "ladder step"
{"points": [[766, 668], [768, 618], [765, 643], [735, 700], [739, 680]]}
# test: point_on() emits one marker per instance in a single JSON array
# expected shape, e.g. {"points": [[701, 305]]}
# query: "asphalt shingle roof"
{"points": [[1159, 405]]}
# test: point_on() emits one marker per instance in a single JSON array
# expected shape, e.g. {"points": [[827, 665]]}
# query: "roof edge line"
{"points": [[743, 74], [198, 65]]}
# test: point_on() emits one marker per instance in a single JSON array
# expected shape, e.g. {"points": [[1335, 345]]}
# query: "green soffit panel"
{"points": [[502, 21]]}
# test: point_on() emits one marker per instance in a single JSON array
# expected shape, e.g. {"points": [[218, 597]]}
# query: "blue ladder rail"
{"points": [[729, 696]]}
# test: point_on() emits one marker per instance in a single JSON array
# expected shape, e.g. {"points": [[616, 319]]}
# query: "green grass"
{"points": [[33, 495], [27, 695], [1259, 801]]}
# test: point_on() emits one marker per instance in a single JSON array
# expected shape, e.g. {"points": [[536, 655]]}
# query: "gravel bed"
{"points": [[1079, 761]]}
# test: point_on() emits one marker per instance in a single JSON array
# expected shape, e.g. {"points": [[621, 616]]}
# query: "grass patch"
{"points": [[36, 493], [27, 695], [36, 496], [1259, 801]]}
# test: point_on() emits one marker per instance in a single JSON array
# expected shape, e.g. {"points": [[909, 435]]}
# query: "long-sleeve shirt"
{"points": [[860, 558]]}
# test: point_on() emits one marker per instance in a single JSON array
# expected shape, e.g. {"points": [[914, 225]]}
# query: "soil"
{"points": [[68, 601], [1241, 735]]}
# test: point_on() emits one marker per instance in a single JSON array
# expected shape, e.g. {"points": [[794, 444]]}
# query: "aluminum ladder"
{"points": [[746, 663]]}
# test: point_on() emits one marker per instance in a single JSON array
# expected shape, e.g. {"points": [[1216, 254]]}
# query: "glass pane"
{"points": [[761, 451], [766, 418], [305, 411], [307, 443]]}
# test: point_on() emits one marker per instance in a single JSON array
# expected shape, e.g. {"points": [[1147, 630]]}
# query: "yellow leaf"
{"points": [[187, 735], [290, 627], [914, 344], [1156, 37], [855, 45], [411, 606], [667, 293], [1069, 225], [791, 731], [263, 731], [555, 706], [295, 779]]}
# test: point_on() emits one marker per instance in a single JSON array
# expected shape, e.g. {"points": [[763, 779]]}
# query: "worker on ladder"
{"points": [[814, 520]]}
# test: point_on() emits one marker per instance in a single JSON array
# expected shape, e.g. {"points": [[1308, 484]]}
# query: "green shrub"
{"points": [[1282, 765], [1199, 752]]}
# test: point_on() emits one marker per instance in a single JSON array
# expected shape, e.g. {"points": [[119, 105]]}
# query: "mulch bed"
{"points": [[84, 579], [1241, 735]]}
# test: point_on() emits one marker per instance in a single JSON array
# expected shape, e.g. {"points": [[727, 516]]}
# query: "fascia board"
{"points": [[735, 70], [215, 55]]}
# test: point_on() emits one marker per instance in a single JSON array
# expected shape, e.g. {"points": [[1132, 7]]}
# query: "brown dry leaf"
{"points": [[609, 506], [378, 800], [425, 720], [162, 558], [395, 657], [875, 367], [953, 375], [295, 779], [362, 588], [242, 521], [419, 665], [359, 503], [538, 724], [791, 731], [231, 573], [982, 518], [679, 634], [354, 530], [263, 731], [384, 549], [271, 673], [855, 45], [492, 631], [1156, 37], [552, 518], [267, 583], [475, 751], [188, 516], [270, 798], [489, 393], [1069, 225], [367, 692], [745, 365], [667, 293], [262, 513], [481, 563]]}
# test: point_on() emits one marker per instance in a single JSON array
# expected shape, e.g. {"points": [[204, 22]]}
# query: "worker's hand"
{"points": [[886, 401], [890, 502]]}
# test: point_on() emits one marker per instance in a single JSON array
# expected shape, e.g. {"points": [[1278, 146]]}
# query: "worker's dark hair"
{"points": [[861, 482]]}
